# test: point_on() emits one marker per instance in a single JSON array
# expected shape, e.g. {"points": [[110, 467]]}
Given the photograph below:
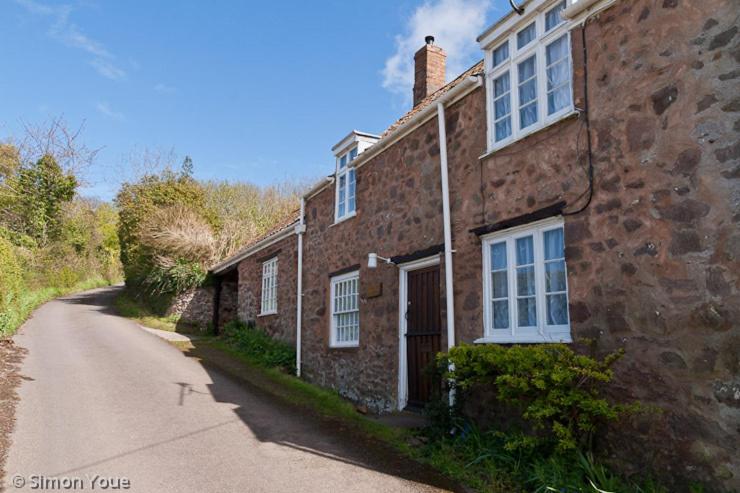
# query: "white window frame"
{"points": [[536, 47], [543, 332], [269, 295], [335, 282], [348, 172]]}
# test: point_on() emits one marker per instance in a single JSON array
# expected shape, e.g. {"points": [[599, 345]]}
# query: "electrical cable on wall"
{"points": [[590, 172]]}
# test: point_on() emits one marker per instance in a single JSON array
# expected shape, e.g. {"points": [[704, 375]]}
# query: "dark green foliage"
{"points": [[558, 392], [42, 188], [259, 347]]}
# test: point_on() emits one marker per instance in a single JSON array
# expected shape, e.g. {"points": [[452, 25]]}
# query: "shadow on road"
{"points": [[276, 420]]}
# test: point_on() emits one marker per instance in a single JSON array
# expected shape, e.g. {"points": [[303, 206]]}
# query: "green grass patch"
{"points": [[27, 301], [130, 307]]}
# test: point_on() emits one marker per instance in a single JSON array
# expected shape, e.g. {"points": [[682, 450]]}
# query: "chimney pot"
{"points": [[429, 69]]}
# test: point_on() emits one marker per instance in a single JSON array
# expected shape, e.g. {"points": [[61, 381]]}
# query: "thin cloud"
{"points": [[65, 31], [163, 88], [107, 69], [104, 108], [454, 24]]}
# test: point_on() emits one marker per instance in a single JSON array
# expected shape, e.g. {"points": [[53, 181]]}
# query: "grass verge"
{"points": [[130, 307], [29, 300]]}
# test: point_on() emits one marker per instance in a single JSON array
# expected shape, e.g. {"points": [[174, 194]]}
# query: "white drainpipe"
{"points": [[449, 288], [449, 298], [299, 229]]}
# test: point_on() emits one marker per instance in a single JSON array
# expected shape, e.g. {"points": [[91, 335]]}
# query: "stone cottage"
{"points": [[581, 181]]}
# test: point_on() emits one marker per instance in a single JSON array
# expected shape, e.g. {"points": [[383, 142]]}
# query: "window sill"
{"points": [[525, 339], [352, 345], [498, 147], [341, 220], [266, 314]]}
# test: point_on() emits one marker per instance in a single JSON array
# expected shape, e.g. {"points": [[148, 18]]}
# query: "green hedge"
{"points": [[11, 283]]}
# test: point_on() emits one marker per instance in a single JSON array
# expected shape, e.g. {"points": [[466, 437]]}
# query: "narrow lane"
{"points": [[102, 397]]}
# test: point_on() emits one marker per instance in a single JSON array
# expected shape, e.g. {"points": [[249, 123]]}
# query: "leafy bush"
{"points": [[11, 282], [555, 390], [259, 347]]}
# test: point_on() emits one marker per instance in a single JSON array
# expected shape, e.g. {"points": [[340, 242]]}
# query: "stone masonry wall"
{"points": [[654, 261], [399, 212], [195, 307], [282, 324]]}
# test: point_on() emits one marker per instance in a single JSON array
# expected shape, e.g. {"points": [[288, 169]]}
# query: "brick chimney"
{"points": [[429, 69]]}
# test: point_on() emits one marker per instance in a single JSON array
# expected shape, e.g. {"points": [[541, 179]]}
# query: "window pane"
{"points": [[525, 36], [553, 240], [501, 85], [525, 281], [343, 161], [352, 187], [555, 276], [503, 128], [501, 314], [527, 312], [558, 75], [342, 195], [527, 92], [500, 284], [500, 54], [558, 99], [526, 69], [502, 107], [557, 50], [498, 256], [352, 154], [528, 115], [552, 17], [557, 309], [525, 250]]}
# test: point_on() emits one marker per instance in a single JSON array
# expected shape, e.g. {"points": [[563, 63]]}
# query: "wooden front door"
{"points": [[423, 333]]}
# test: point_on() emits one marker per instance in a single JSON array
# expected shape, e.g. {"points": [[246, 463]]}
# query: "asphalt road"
{"points": [[101, 397]]}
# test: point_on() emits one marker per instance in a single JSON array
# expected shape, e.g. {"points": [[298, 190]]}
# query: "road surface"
{"points": [[104, 403]]}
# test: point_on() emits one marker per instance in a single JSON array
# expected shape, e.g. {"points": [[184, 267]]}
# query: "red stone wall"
{"points": [[399, 211], [654, 261], [281, 325]]}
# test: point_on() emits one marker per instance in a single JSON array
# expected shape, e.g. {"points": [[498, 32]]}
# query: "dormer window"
{"points": [[529, 76], [346, 185], [346, 151]]}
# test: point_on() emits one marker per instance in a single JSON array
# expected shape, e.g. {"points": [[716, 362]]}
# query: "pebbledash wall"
{"points": [[653, 261]]}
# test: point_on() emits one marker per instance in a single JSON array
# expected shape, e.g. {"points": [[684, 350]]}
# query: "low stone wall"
{"points": [[195, 307]]}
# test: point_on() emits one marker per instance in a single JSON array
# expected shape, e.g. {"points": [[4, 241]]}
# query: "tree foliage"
{"points": [[174, 228], [51, 238]]}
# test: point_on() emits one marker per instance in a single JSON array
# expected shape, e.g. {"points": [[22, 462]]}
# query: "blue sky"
{"points": [[254, 91]]}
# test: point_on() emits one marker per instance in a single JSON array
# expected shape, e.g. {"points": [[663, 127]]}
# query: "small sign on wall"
{"points": [[374, 290]]}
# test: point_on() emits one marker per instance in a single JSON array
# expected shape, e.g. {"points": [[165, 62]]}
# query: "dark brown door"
{"points": [[423, 333]]}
